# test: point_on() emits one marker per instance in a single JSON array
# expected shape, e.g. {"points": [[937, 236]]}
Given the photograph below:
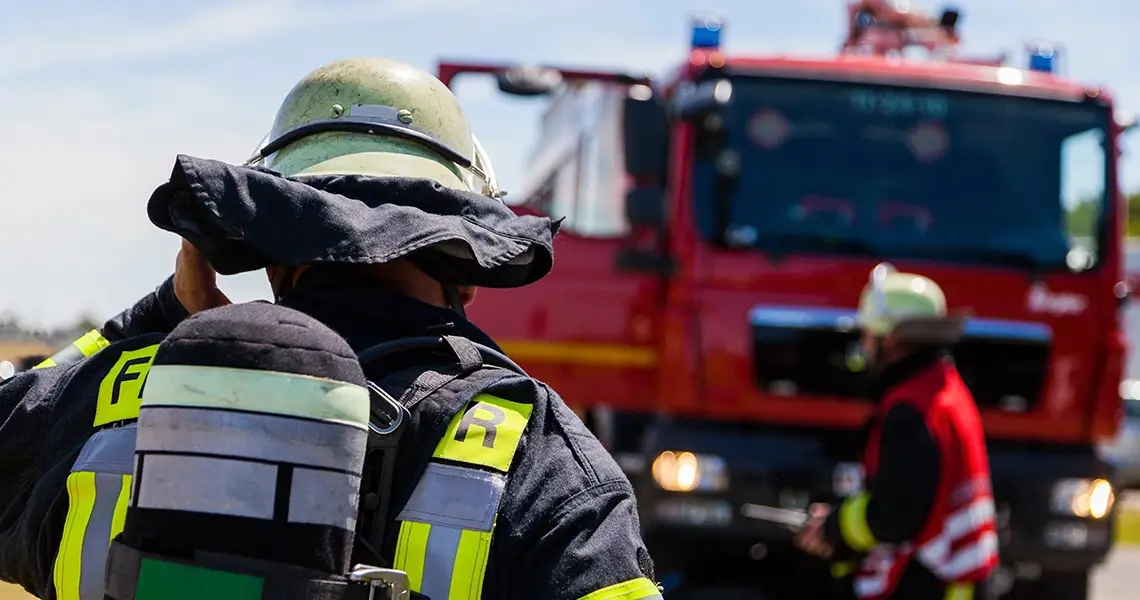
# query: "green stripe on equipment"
{"points": [[267, 392], [161, 580]]}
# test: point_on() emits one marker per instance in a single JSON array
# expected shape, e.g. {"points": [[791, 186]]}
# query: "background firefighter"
{"points": [[923, 527]]}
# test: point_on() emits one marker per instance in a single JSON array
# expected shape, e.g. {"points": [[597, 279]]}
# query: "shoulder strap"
{"points": [[427, 366]]}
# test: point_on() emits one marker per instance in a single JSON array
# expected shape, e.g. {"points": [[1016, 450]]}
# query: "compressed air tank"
{"points": [[252, 431]]}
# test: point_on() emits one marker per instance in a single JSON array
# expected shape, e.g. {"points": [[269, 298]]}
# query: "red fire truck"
{"points": [[720, 222]]}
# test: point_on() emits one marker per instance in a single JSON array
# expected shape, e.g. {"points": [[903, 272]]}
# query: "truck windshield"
{"points": [[846, 168]]}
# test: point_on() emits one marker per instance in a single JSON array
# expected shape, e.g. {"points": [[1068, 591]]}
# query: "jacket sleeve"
{"points": [[157, 312], [592, 550], [898, 500], [27, 402], [572, 530], [46, 416]]}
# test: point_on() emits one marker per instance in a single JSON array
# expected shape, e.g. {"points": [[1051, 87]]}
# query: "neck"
{"points": [[366, 312], [905, 366]]}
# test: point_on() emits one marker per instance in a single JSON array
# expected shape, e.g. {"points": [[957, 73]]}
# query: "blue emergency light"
{"points": [[1042, 58], [706, 32]]}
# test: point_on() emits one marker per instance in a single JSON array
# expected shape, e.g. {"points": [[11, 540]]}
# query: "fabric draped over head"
{"points": [[245, 218]]}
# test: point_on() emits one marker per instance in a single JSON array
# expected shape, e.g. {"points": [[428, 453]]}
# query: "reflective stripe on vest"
{"points": [[965, 549], [634, 589], [98, 493], [967, 542], [89, 344], [446, 526], [99, 486]]}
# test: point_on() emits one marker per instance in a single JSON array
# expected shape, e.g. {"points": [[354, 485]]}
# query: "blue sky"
{"points": [[96, 104]]}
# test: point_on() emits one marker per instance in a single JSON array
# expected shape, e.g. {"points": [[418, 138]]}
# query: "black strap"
{"points": [[466, 351], [488, 356], [451, 294]]}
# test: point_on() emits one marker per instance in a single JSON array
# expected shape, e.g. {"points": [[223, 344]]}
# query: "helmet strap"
{"points": [[454, 300], [282, 281]]}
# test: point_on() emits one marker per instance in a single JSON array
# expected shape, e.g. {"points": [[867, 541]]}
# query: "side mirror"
{"points": [[645, 135], [695, 102], [645, 206], [528, 81], [1125, 120]]}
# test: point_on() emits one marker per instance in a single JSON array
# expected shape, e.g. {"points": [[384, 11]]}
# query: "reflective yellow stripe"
{"points": [[84, 347], [485, 435], [69, 561], [411, 551], [121, 389], [960, 591], [121, 504], [634, 589], [91, 342], [581, 353], [853, 523], [840, 570], [470, 565]]}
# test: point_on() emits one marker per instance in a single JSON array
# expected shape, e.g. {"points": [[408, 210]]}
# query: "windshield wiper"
{"points": [[780, 243]]}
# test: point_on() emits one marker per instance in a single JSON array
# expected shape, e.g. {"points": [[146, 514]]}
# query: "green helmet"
{"points": [[376, 117], [907, 305]]}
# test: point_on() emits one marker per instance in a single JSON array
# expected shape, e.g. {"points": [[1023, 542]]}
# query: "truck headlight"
{"points": [[685, 472], [1083, 497]]}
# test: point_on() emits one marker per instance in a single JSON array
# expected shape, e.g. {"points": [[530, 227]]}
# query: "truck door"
{"points": [[590, 328]]}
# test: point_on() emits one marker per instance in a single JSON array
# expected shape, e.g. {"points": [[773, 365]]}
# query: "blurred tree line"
{"points": [[1081, 217]]}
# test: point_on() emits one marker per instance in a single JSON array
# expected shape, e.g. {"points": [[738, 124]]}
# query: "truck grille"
{"points": [[800, 351]]}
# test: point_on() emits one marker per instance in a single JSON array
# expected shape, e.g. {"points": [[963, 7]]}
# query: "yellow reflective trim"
{"points": [[840, 570], [470, 565], [84, 347], [120, 515], [486, 434], [69, 560], [853, 522], [581, 353], [634, 589], [91, 342], [411, 551], [121, 389], [960, 591]]}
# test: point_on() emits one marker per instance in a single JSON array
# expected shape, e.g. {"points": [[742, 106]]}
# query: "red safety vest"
{"points": [[959, 542]]}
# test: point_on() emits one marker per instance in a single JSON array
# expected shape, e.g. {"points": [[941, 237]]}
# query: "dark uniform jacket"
{"points": [[567, 527]]}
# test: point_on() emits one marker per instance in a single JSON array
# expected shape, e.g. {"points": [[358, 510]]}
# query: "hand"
{"points": [[810, 540], [195, 281]]}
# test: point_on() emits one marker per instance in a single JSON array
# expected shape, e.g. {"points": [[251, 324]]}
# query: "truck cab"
{"points": [[720, 223]]}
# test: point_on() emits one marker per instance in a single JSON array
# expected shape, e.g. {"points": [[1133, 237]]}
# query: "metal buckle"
{"points": [[387, 409], [394, 583]]}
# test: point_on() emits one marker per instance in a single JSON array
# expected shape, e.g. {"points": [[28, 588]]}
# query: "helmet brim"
{"points": [[246, 218], [946, 330]]}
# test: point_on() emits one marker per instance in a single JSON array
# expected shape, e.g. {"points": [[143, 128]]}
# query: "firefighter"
{"points": [[923, 527], [376, 216]]}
